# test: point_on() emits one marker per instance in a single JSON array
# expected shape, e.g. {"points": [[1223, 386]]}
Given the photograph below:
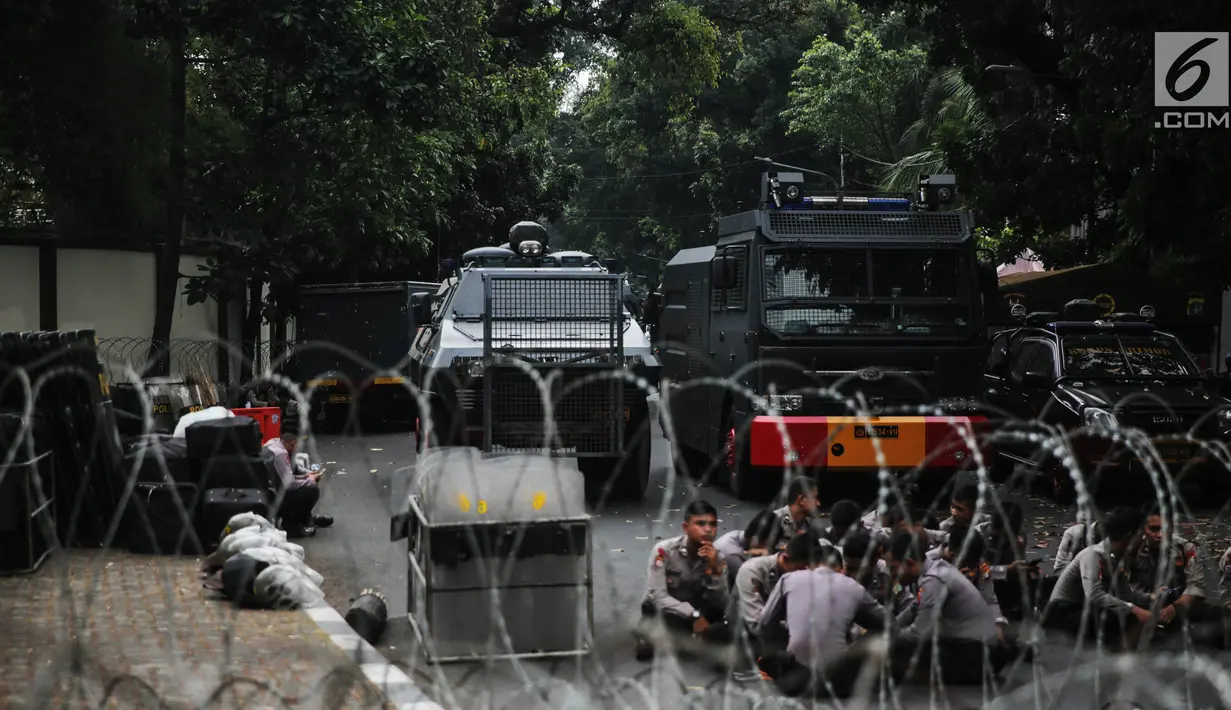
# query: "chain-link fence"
{"points": [[91, 622]]}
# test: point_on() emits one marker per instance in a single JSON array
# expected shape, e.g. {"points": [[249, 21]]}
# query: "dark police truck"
{"points": [[870, 294], [348, 335]]}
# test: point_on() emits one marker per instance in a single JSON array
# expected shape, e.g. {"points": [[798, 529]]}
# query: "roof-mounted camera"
{"points": [[936, 191]]}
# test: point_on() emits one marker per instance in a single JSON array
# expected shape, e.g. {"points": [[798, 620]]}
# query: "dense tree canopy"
{"points": [[343, 139]]}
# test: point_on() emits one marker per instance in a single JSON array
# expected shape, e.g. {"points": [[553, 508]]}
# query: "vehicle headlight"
{"points": [[958, 404], [1095, 418], [472, 366], [780, 403]]}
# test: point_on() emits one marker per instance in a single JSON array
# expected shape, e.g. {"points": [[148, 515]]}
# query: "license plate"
{"points": [[876, 431], [853, 442], [339, 398], [389, 380], [322, 383], [1176, 452]]}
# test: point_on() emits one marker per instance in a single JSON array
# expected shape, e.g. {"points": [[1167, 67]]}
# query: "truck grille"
{"points": [[587, 410]]}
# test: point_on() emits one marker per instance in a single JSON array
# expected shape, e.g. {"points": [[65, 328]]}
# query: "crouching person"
{"points": [[813, 611], [300, 489], [756, 581], [950, 626], [687, 588]]}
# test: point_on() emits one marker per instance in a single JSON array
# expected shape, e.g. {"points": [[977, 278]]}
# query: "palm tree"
{"points": [[949, 112]]}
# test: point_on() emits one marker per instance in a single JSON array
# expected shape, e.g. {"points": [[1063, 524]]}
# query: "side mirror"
{"points": [[652, 309], [612, 265], [1037, 379], [421, 308], [724, 273]]}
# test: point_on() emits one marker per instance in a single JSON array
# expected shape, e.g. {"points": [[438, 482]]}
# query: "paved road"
{"points": [[356, 553]]}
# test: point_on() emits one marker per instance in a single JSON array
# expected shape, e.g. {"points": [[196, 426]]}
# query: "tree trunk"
{"points": [[252, 331], [168, 268]]}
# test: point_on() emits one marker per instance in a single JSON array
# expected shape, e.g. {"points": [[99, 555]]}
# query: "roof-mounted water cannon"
{"points": [[936, 191]]}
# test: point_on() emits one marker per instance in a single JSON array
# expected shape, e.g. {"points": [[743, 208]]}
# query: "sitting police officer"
{"points": [[1179, 582], [686, 588], [1095, 577], [951, 616], [738, 546], [799, 513], [815, 609]]}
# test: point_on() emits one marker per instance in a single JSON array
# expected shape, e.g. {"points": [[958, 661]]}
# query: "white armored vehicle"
{"points": [[526, 350]]}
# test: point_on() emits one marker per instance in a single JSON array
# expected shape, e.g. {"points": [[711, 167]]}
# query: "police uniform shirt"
{"points": [[1185, 570], [979, 522], [1088, 579], [1224, 577], [949, 606], [678, 582], [731, 543], [882, 534], [817, 609], [753, 585], [1074, 540], [788, 528], [907, 612]]}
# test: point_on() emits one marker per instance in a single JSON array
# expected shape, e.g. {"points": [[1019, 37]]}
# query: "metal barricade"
{"points": [[499, 556]]}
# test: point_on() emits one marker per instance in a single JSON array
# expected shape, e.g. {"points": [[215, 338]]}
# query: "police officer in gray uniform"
{"points": [[1095, 577], [686, 587], [815, 609], [758, 576], [950, 611], [1180, 582], [800, 512], [1075, 539]]}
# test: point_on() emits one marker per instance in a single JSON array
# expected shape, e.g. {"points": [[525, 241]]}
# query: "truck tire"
{"points": [[631, 482], [737, 474]]}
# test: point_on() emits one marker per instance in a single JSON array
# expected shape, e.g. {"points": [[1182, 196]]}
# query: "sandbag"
{"points": [[284, 587]]}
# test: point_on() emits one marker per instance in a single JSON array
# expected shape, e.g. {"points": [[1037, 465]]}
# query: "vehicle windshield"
{"points": [[864, 291], [1110, 355]]}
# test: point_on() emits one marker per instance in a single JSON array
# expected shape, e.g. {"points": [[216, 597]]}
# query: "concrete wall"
{"points": [[112, 293], [18, 288]]}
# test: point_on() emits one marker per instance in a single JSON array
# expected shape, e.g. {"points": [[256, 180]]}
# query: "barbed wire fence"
{"points": [[70, 672]]}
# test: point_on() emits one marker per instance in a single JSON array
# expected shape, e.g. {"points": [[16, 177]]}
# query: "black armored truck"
{"points": [[528, 350], [844, 335]]}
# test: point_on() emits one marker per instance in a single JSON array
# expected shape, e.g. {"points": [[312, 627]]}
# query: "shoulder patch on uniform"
{"points": [[660, 556]]}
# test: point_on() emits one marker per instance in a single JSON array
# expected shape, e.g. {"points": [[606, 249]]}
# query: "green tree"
{"points": [[1071, 137]]}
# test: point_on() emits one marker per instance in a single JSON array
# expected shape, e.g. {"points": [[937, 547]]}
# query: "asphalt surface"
{"points": [[357, 554]]}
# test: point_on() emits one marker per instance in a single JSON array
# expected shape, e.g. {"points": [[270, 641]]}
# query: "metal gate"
{"points": [[550, 343]]}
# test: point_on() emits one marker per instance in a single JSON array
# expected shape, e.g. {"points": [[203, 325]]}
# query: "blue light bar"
{"points": [[873, 204]]}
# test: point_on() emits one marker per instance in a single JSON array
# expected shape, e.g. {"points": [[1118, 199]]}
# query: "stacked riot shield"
{"points": [[68, 393]]}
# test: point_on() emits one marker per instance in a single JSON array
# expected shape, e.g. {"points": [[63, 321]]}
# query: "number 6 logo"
{"points": [[1191, 69], [1185, 63]]}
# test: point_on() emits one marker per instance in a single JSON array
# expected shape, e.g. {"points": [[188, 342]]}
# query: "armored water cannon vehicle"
{"points": [[813, 298], [529, 350]]}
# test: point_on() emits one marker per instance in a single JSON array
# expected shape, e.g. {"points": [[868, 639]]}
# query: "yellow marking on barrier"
{"points": [[463, 502], [539, 500], [322, 383], [388, 380], [482, 507]]}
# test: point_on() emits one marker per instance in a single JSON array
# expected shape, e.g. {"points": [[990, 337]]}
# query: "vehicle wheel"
{"points": [[735, 467], [631, 482]]}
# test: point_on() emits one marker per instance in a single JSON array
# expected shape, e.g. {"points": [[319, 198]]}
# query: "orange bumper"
{"points": [[852, 442]]}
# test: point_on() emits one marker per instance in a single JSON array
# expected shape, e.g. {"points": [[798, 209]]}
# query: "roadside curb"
{"points": [[397, 687]]}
